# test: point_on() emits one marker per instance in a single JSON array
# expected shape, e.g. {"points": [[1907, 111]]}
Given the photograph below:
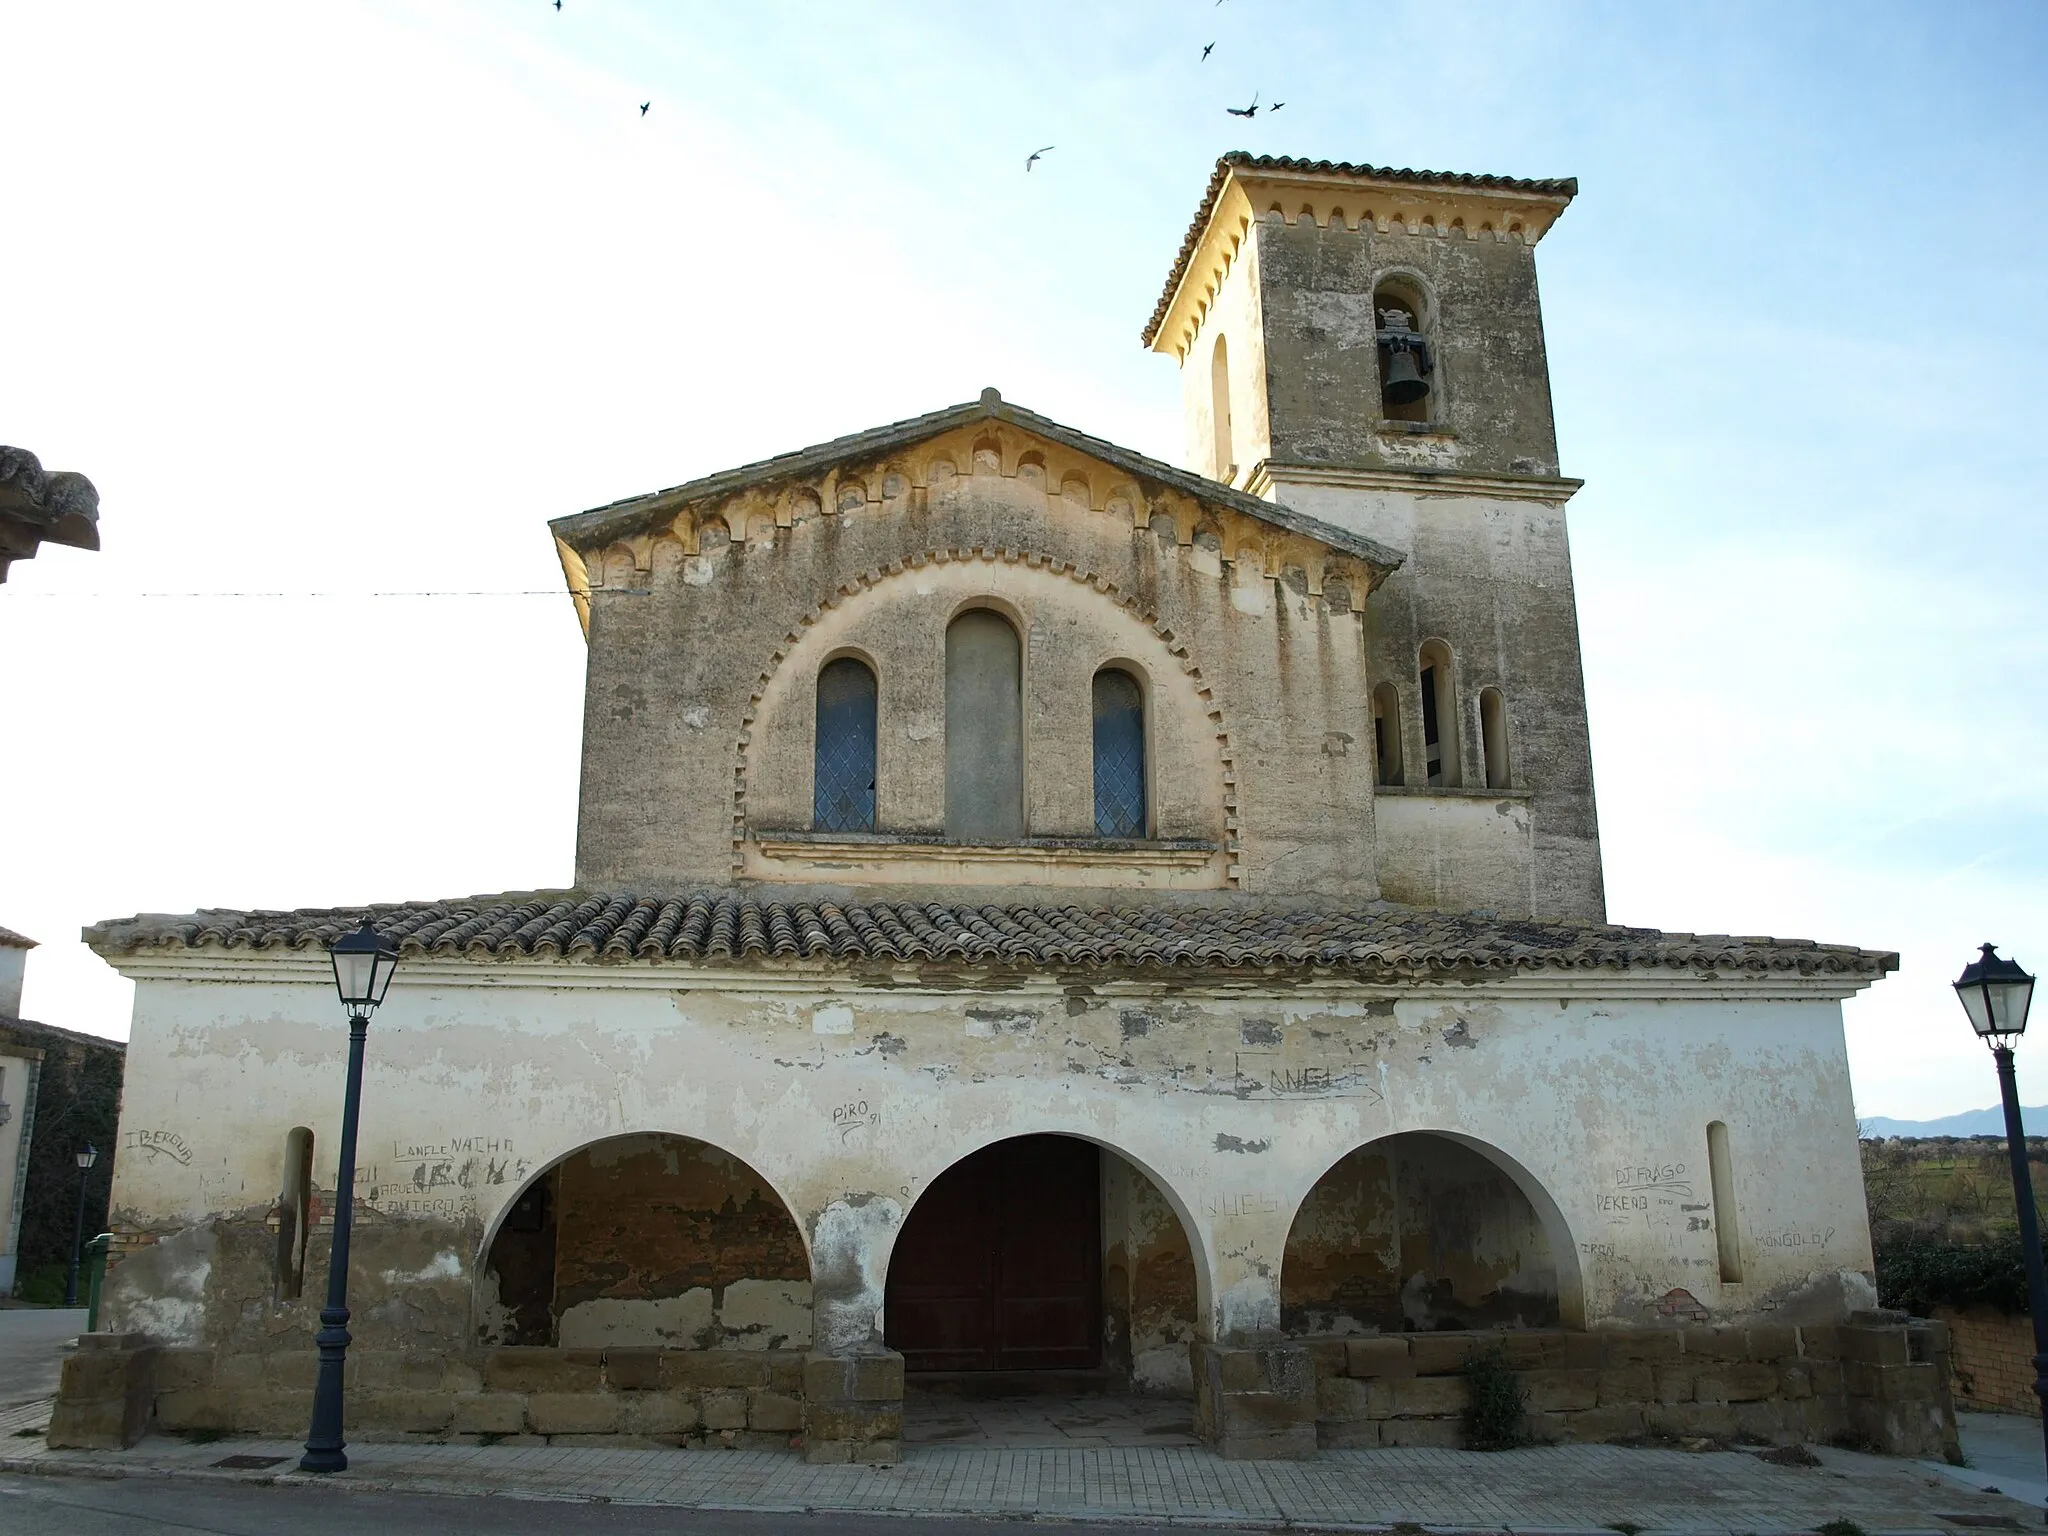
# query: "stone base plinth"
{"points": [[107, 1394], [1255, 1402], [853, 1407]]}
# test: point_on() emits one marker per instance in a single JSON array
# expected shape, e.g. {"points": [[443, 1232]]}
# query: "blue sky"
{"points": [[352, 298]]}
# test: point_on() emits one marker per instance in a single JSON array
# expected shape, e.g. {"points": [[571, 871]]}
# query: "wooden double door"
{"points": [[999, 1267]]}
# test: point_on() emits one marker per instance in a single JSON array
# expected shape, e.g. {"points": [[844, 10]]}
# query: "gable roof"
{"points": [[9, 939], [717, 925], [1564, 187], [635, 514]]}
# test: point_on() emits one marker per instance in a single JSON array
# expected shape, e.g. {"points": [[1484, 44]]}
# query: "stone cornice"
{"points": [[1555, 490], [215, 965]]}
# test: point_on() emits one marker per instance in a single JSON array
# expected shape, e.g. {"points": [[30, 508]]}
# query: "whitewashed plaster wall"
{"points": [[1594, 1093], [16, 1073]]}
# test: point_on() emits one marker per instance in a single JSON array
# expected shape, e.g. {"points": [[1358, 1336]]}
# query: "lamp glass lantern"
{"points": [[1995, 993], [85, 1157], [363, 967]]}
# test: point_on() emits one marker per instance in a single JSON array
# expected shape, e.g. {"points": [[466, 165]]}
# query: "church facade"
{"points": [[1041, 909]]}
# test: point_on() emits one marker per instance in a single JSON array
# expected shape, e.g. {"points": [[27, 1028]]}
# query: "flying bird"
{"points": [[558, 4], [1206, 51], [1036, 153], [644, 106], [1250, 111], [1276, 106]]}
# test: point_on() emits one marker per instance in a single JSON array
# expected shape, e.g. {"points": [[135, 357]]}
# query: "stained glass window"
{"points": [[843, 792], [1119, 755]]}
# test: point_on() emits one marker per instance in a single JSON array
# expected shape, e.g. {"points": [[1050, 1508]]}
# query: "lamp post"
{"points": [[85, 1157], [1995, 993], [363, 964]]}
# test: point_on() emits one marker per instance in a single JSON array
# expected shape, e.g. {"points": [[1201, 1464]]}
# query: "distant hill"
{"points": [[1971, 1122]]}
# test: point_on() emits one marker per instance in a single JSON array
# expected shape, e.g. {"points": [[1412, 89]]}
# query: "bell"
{"points": [[1405, 383]]}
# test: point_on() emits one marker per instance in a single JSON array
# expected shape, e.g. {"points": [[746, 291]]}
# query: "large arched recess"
{"points": [[1429, 1229], [646, 1239], [1048, 1250]]}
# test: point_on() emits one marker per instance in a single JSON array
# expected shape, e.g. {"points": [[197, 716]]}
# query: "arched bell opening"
{"points": [[647, 1241], [1424, 1231], [1045, 1255]]}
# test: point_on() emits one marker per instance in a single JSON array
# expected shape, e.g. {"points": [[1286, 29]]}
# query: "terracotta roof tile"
{"points": [[724, 925], [1557, 186]]}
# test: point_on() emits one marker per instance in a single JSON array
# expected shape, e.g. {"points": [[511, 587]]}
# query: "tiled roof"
{"points": [[9, 939], [723, 925], [622, 518], [1557, 186]]}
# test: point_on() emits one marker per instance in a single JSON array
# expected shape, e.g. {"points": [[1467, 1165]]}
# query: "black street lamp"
{"points": [[363, 964], [1995, 994], [85, 1157]]}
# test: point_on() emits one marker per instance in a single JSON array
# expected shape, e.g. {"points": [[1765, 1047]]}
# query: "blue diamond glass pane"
{"points": [[1119, 756], [843, 795]]}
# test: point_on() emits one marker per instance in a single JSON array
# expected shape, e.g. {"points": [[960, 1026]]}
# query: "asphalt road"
{"points": [[76, 1506], [32, 1341]]}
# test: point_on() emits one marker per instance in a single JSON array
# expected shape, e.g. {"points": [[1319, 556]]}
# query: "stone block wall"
{"points": [[731, 1398], [1881, 1384], [1991, 1359]]}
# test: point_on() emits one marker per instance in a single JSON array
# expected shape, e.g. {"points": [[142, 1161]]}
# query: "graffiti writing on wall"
{"points": [[435, 1177], [161, 1144], [1264, 1074]]}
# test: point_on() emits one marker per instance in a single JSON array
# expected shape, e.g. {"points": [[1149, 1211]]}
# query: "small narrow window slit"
{"points": [[294, 1213], [1439, 717], [1727, 1236], [1386, 732], [1493, 737]]}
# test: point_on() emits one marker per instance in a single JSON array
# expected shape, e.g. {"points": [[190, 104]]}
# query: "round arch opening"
{"points": [[647, 1240], [1045, 1253], [1427, 1230]]}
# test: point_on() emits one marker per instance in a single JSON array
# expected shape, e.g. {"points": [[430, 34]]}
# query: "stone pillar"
{"points": [[1895, 1379], [853, 1407], [107, 1393], [1255, 1402]]}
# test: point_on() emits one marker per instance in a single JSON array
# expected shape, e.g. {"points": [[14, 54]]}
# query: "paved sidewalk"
{"points": [[1588, 1488]]}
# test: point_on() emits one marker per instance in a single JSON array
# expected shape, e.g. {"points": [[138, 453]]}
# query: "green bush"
{"points": [[44, 1285], [1918, 1272], [1496, 1406]]}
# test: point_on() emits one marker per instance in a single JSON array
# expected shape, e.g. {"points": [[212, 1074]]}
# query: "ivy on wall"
{"points": [[78, 1102]]}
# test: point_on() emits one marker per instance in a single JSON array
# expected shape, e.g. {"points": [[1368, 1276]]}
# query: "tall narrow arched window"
{"points": [[843, 775], [1219, 409], [1386, 732], [1493, 737], [984, 729], [1119, 755], [1439, 717]]}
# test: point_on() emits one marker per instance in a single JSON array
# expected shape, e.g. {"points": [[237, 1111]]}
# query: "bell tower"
{"points": [[1365, 345]]}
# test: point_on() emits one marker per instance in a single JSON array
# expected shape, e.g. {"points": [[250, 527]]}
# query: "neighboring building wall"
{"points": [[13, 965], [1592, 1099], [1991, 1356]]}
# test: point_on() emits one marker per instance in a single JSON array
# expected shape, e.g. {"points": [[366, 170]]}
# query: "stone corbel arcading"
{"points": [[39, 506]]}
